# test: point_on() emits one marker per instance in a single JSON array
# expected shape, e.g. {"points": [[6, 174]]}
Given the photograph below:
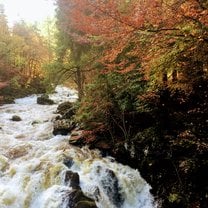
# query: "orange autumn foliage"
{"points": [[116, 24]]}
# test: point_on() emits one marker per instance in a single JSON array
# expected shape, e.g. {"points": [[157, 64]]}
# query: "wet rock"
{"points": [[68, 162], [72, 179], [64, 122], [36, 122], [3, 162], [58, 117], [44, 100], [77, 140], [8, 100], [75, 133], [64, 107], [68, 114], [86, 204], [94, 193], [109, 183], [66, 110], [63, 127], [81, 137], [16, 118], [102, 145], [76, 199], [18, 151], [98, 138]]}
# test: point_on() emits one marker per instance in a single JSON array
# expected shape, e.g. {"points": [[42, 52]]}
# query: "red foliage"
{"points": [[116, 24], [3, 84]]}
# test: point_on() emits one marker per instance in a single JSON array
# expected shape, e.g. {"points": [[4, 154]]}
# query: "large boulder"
{"points": [[44, 100], [76, 198], [64, 122], [110, 186], [96, 139], [66, 110], [72, 179], [63, 107], [63, 126], [77, 138]]}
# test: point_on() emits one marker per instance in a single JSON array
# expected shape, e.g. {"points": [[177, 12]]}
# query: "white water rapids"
{"points": [[32, 162]]}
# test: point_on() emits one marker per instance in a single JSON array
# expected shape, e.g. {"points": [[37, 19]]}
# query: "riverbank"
{"points": [[176, 168], [168, 144], [38, 169]]}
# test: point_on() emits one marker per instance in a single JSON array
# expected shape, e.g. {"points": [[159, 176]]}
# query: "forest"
{"points": [[140, 68]]}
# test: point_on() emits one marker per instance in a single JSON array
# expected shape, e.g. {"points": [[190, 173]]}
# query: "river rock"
{"points": [[64, 122], [3, 162], [77, 138], [68, 162], [109, 183], [86, 204], [68, 114], [81, 138], [66, 110], [35, 122], [44, 100], [63, 126], [18, 151], [72, 179], [16, 118], [76, 198]]}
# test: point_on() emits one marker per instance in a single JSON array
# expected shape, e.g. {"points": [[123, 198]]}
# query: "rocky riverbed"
{"points": [[39, 169]]}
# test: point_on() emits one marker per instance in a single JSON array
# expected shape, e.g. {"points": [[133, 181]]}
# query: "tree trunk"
{"points": [[80, 83], [174, 76], [164, 78]]}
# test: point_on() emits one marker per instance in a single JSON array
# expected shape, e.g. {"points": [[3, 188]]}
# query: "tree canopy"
{"points": [[148, 88], [23, 52]]}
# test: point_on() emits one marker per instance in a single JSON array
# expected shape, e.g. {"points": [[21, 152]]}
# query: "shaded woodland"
{"points": [[23, 54], [141, 72]]}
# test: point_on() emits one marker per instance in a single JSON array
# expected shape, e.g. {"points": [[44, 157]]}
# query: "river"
{"points": [[33, 162]]}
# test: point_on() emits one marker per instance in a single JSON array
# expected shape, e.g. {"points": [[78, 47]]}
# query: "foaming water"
{"points": [[32, 161]]}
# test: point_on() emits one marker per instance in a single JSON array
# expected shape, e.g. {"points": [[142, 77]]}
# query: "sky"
{"points": [[30, 11]]}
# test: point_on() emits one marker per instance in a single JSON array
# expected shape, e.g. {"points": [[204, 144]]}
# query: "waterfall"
{"points": [[34, 163]]}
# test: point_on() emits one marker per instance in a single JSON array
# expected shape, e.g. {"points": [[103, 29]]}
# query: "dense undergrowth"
{"points": [[161, 132], [15, 90]]}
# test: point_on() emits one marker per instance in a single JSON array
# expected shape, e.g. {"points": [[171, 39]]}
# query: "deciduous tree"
{"points": [[148, 30]]}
